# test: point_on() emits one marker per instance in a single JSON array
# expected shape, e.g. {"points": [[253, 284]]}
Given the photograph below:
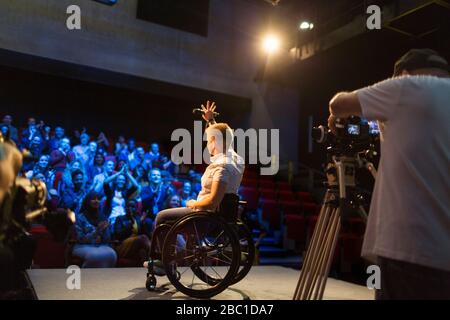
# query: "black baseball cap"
{"points": [[420, 59]]}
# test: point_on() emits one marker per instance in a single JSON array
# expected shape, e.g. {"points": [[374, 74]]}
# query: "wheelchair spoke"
{"points": [[188, 257], [228, 258], [220, 277], [220, 260], [215, 240], [208, 277], [196, 234]]}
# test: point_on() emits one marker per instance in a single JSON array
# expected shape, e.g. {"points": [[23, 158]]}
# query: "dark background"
{"points": [[74, 96]]}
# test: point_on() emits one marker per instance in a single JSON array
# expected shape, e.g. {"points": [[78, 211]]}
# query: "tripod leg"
{"points": [[315, 254], [310, 252], [332, 243], [314, 239], [323, 255]]}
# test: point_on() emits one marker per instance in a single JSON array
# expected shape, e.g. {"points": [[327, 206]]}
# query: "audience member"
{"points": [[55, 141], [133, 233], [93, 236], [82, 150], [13, 133], [154, 195], [186, 194], [118, 193], [73, 194], [108, 170]]}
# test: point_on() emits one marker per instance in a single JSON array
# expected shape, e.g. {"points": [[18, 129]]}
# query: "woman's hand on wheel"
{"points": [[208, 110]]}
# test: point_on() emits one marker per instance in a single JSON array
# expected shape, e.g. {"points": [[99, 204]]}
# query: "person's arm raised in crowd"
{"points": [[97, 185], [134, 183], [218, 189], [112, 177]]}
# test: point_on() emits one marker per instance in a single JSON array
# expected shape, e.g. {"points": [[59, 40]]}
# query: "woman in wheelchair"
{"points": [[203, 238]]}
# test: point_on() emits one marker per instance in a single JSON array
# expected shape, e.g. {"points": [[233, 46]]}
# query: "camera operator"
{"points": [[10, 261], [22, 201], [408, 230]]}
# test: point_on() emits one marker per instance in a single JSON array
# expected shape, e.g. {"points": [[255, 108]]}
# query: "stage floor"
{"points": [[262, 283]]}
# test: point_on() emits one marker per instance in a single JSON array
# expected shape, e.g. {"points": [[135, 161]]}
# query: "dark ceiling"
{"points": [[354, 62]]}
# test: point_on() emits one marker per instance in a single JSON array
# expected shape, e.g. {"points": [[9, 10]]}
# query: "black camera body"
{"points": [[353, 135]]}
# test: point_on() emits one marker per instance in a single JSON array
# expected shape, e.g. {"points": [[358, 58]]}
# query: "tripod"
{"points": [[340, 183]]}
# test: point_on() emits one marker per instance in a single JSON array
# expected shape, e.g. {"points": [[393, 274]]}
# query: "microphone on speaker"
{"points": [[198, 110]]}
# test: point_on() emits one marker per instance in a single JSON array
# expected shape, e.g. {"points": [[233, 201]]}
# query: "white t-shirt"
{"points": [[225, 167], [118, 207], [409, 217]]}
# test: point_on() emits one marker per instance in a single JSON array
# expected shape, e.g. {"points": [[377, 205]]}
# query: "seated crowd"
{"points": [[115, 190]]}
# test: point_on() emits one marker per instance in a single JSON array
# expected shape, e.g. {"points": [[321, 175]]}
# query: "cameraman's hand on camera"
{"points": [[208, 114], [332, 123], [343, 105]]}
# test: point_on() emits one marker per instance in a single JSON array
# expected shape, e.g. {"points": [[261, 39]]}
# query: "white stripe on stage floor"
{"points": [[262, 283]]}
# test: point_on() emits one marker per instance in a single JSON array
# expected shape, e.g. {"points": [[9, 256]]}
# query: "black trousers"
{"points": [[406, 281]]}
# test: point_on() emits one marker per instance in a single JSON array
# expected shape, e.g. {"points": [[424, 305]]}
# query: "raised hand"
{"points": [[208, 114]]}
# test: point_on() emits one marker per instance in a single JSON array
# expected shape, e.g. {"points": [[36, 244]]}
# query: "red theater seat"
{"points": [[351, 247], [251, 174], [251, 196], [292, 207], [271, 213], [253, 183], [295, 227], [284, 186], [49, 253], [269, 194], [305, 197], [266, 184], [286, 196], [310, 208]]}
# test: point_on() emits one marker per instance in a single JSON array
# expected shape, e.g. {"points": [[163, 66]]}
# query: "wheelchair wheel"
{"points": [[247, 256], [247, 247], [204, 245]]}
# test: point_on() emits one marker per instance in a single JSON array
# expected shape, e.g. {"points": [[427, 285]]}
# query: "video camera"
{"points": [[23, 201], [353, 135]]}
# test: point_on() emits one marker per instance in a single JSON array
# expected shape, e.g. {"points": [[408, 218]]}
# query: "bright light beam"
{"points": [[271, 44]]}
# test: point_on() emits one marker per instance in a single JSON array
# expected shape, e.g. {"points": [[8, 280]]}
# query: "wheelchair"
{"points": [[204, 252]]}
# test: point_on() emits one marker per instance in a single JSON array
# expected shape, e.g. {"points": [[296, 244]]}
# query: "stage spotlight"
{"points": [[306, 26], [271, 44]]}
